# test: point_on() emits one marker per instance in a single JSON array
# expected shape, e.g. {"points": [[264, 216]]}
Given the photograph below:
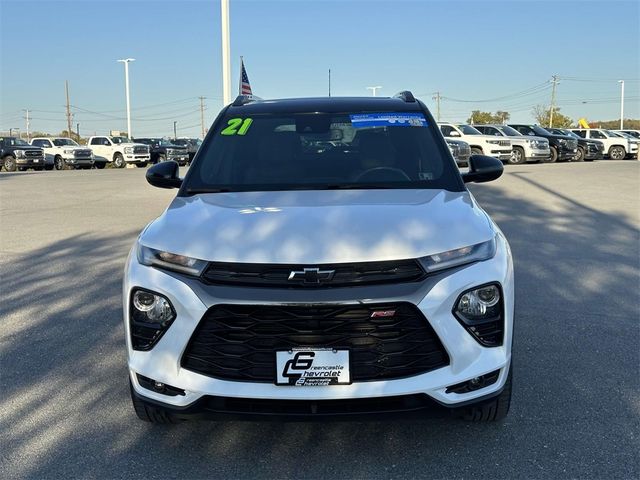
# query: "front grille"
{"points": [[81, 153], [465, 150], [337, 275], [504, 143], [239, 342], [140, 150], [33, 153], [573, 144]]}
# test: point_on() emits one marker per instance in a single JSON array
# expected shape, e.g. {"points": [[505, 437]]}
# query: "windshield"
{"points": [[165, 143], [469, 130], [569, 133], [14, 141], [510, 132], [61, 142], [119, 140], [323, 151], [539, 130], [613, 134]]}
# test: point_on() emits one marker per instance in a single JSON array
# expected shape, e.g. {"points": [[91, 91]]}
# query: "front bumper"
{"points": [[78, 161], [565, 153], [31, 162], [137, 158], [434, 297], [180, 158], [594, 153], [501, 154], [537, 154]]}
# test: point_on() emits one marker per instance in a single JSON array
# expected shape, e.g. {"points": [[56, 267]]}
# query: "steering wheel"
{"points": [[382, 174]]}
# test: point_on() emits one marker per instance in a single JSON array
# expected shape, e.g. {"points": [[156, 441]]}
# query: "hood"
{"points": [[321, 226]]}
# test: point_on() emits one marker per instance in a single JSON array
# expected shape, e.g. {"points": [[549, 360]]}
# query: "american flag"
{"points": [[245, 86]]}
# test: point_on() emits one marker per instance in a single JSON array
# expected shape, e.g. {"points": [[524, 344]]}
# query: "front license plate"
{"points": [[312, 367]]}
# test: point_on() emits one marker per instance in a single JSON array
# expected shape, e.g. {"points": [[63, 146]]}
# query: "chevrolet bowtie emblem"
{"points": [[312, 275]]}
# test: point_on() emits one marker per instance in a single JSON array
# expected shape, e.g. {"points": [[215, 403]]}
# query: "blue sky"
{"points": [[470, 51]]}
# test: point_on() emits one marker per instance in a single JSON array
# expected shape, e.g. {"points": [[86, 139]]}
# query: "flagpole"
{"points": [[241, 70], [226, 59]]}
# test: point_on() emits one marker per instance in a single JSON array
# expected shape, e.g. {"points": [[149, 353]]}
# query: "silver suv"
{"points": [[525, 149]]}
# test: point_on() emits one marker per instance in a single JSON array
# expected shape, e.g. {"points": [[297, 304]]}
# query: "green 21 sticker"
{"points": [[237, 126]]}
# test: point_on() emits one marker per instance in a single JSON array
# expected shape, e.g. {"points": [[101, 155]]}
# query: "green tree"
{"points": [[480, 117], [542, 114], [629, 123]]}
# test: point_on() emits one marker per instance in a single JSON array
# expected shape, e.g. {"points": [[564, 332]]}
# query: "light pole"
{"points": [[226, 52], [621, 82], [374, 89], [126, 62], [175, 134]]}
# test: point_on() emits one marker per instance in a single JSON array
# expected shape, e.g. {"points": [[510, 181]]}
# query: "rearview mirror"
{"points": [[482, 169], [164, 175]]}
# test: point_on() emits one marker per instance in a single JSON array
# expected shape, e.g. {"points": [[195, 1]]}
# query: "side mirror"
{"points": [[453, 133], [482, 169], [164, 175]]}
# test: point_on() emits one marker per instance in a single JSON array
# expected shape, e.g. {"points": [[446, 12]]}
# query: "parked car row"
{"points": [[520, 143], [47, 153]]}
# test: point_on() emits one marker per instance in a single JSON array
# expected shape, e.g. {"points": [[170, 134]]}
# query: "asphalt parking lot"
{"points": [[64, 400]]}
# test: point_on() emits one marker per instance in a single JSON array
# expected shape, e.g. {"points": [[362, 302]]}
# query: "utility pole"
{"points": [[436, 97], [621, 82], [329, 82], [554, 81], [226, 52], [374, 89], [202, 115], [26, 117], [78, 131], [69, 115], [175, 130]]}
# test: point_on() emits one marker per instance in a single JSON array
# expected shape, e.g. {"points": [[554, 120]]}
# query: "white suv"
{"points": [[481, 144], [322, 256], [64, 152]]}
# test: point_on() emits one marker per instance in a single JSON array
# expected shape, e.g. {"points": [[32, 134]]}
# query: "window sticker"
{"points": [[364, 120], [237, 126]]}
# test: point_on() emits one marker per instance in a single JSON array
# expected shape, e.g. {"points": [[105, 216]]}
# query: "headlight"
{"points": [[533, 143], [562, 142], [460, 256], [494, 142], [480, 312], [170, 261], [170, 151], [128, 150], [150, 315], [68, 152], [19, 153]]}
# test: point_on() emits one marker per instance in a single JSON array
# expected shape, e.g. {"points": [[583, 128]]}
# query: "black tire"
{"points": [[150, 413], [9, 163], [141, 164], [118, 161], [617, 153], [517, 156], [579, 155], [100, 165], [553, 157], [476, 151], [59, 163], [492, 410]]}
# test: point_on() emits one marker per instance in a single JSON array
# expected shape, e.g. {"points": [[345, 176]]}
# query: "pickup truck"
{"points": [[588, 150], [163, 150], [64, 153], [118, 151], [192, 144], [480, 144], [16, 154], [616, 146], [525, 149]]}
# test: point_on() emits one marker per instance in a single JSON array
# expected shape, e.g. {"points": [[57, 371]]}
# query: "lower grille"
{"points": [[238, 342]]}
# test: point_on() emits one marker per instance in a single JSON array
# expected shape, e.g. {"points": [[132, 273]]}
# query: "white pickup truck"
{"points": [[119, 151], [64, 153], [616, 146], [490, 145]]}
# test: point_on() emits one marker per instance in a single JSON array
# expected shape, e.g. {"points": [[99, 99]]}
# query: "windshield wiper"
{"points": [[356, 186], [195, 191]]}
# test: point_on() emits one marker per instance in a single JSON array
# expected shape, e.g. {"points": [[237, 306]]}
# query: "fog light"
{"points": [[155, 307], [150, 315], [480, 311], [158, 386], [477, 303]]}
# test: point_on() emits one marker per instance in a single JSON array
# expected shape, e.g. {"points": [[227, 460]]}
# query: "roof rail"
{"points": [[405, 96], [244, 99]]}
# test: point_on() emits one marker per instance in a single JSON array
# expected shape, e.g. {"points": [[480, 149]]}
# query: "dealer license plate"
{"points": [[312, 367]]}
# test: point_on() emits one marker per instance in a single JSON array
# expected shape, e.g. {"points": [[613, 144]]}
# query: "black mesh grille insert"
{"points": [[238, 342], [337, 275]]}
